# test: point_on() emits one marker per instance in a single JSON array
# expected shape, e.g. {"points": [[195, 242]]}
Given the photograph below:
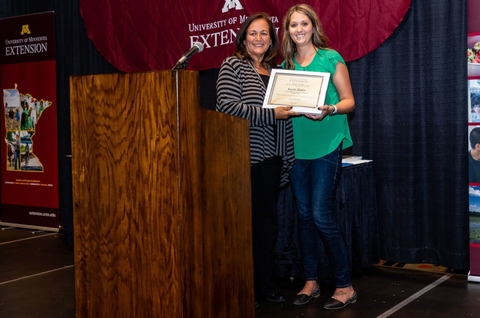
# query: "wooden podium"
{"points": [[162, 202]]}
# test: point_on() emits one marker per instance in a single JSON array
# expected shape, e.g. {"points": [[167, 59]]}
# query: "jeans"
{"points": [[314, 184], [16, 160]]}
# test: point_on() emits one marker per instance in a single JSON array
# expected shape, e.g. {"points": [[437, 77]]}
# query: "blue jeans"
{"points": [[314, 184], [16, 160]]}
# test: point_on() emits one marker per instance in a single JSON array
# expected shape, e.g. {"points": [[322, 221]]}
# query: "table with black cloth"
{"points": [[356, 209]]}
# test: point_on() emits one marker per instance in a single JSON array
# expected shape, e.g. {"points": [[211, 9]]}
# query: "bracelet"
{"points": [[334, 110]]}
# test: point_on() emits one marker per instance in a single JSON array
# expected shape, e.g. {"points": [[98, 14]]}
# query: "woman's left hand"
{"points": [[326, 110]]}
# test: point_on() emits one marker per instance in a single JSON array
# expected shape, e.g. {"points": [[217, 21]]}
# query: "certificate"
{"points": [[303, 90]]}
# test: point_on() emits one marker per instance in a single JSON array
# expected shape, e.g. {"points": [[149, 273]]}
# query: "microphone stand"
{"points": [[180, 66]]}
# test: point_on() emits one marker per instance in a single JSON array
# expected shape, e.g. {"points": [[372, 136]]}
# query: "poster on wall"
{"points": [[29, 160], [473, 111]]}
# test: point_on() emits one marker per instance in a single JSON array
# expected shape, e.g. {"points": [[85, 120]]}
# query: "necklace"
{"points": [[261, 70]]}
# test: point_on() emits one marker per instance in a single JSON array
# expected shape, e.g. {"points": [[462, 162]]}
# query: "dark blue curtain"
{"points": [[411, 119], [411, 96]]}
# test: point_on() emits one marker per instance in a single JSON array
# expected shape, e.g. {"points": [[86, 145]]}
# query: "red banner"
{"points": [[29, 155], [147, 35]]}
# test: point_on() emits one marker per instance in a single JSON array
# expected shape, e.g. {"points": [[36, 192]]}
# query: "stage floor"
{"points": [[37, 280]]}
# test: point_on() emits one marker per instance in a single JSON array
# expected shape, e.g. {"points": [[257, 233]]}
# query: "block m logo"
{"points": [[230, 4]]}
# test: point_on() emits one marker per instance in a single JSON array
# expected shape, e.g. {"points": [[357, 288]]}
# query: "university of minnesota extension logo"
{"points": [[230, 4], [25, 29]]}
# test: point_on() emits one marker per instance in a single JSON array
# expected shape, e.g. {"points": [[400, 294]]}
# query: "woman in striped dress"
{"points": [[241, 87]]}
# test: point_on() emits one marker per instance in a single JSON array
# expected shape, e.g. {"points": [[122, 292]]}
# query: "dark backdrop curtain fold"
{"points": [[411, 96], [411, 119]]}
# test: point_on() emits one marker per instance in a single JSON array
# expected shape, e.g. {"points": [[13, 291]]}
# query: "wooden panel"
{"points": [[125, 190], [215, 183]]}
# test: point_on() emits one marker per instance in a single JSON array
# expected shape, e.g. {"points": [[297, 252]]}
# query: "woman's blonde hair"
{"points": [[319, 38]]}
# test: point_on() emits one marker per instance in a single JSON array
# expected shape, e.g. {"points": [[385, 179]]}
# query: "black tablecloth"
{"points": [[356, 209]]}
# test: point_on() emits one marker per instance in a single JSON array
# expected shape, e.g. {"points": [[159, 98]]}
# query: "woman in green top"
{"points": [[25, 123], [318, 142]]}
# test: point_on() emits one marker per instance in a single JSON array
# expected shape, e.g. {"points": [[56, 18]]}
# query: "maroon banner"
{"points": [[29, 155], [147, 35]]}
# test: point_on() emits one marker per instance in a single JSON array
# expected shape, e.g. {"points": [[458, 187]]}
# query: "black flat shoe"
{"points": [[276, 298], [333, 303], [302, 299]]}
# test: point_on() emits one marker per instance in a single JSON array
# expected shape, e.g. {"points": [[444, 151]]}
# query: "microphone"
{"points": [[182, 62]]}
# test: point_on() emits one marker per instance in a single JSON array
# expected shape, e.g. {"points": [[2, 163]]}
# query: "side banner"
{"points": [[29, 159], [473, 110]]}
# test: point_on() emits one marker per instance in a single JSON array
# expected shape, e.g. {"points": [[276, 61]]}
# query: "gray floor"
{"points": [[37, 280], [36, 275]]}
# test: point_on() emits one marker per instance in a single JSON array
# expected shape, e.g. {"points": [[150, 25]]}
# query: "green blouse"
{"points": [[313, 138]]}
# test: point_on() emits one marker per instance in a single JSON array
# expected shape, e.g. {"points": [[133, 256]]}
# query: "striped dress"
{"points": [[240, 92]]}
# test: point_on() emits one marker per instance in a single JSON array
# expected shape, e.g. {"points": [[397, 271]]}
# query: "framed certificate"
{"points": [[303, 90]]}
